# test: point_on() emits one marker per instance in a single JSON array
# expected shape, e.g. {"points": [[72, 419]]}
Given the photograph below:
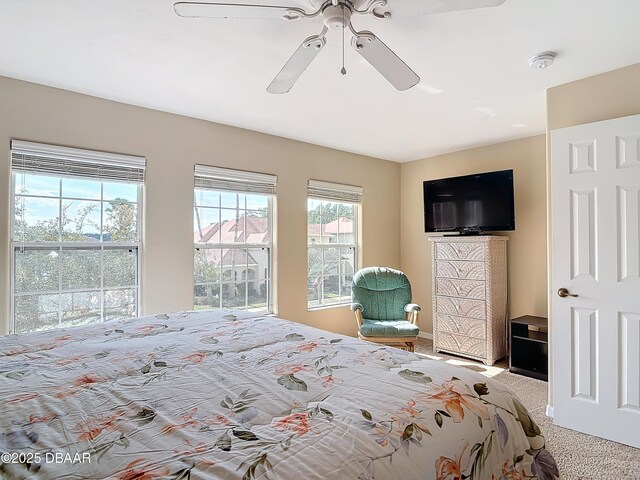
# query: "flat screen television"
{"points": [[471, 204]]}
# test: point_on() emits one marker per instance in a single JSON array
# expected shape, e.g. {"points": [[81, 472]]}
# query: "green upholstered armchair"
{"points": [[382, 304]]}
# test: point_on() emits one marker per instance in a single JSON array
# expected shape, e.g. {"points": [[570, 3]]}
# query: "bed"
{"points": [[226, 395]]}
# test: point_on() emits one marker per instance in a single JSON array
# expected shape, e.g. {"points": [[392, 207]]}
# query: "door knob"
{"points": [[563, 292]]}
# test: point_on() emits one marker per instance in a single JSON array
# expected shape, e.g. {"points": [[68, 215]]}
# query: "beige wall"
{"points": [[602, 97], [527, 244], [172, 144]]}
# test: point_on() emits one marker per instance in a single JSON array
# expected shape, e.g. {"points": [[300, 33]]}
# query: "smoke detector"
{"points": [[542, 60]]}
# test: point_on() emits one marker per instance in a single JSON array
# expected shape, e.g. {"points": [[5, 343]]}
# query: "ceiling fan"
{"points": [[337, 15]]}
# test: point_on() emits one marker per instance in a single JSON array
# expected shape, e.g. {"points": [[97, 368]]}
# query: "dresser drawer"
{"points": [[461, 344], [459, 269], [453, 287], [460, 307], [469, 327], [459, 251]]}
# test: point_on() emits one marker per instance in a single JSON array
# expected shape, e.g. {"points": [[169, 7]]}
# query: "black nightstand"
{"points": [[529, 347]]}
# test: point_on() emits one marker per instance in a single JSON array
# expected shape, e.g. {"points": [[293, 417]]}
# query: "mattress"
{"points": [[232, 395]]}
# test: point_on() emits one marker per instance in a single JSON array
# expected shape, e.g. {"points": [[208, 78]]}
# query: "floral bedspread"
{"points": [[225, 395]]}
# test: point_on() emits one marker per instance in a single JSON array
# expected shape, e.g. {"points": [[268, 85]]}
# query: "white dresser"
{"points": [[470, 296]]}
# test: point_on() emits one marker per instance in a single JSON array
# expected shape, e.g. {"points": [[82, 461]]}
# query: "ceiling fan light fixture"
{"points": [[336, 17]]}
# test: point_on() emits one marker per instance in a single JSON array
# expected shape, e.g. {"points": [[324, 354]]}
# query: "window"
{"points": [[232, 223], [75, 236], [332, 238]]}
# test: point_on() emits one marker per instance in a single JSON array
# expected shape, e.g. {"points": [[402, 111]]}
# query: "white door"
{"points": [[595, 255]]}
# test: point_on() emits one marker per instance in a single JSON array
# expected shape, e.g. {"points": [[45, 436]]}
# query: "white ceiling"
{"points": [[477, 87]]}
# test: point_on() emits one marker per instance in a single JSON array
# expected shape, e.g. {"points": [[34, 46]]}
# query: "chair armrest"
{"points": [[412, 310], [411, 307], [358, 309]]}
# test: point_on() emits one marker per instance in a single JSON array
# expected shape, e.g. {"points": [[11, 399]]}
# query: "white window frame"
{"points": [[91, 157], [326, 192], [240, 183]]}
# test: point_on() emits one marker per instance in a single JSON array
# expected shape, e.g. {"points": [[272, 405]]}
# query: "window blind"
{"points": [[334, 191], [43, 159], [229, 180]]}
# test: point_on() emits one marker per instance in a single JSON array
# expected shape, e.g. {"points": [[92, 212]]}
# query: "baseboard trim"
{"points": [[549, 411], [428, 336]]}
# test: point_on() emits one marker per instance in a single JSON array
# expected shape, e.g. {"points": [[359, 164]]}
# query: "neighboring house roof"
{"points": [[255, 231], [343, 223], [313, 229], [207, 232], [230, 257], [232, 231], [94, 237]]}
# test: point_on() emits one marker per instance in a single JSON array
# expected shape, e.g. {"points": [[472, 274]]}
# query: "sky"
{"points": [[41, 194]]}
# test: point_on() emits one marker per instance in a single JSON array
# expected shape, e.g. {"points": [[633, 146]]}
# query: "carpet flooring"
{"points": [[579, 456]]}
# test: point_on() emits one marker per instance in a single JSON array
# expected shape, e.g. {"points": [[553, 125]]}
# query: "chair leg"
{"points": [[410, 347]]}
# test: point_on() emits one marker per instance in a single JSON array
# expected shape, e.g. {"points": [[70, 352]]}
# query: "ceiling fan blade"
{"points": [[298, 63], [382, 58], [408, 8], [236, 10]]}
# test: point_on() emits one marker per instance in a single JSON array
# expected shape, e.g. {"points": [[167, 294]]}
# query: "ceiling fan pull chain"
{"points": [[344, 70]]}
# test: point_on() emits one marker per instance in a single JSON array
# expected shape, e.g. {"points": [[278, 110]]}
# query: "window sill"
{"points": [[328, 307]]}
